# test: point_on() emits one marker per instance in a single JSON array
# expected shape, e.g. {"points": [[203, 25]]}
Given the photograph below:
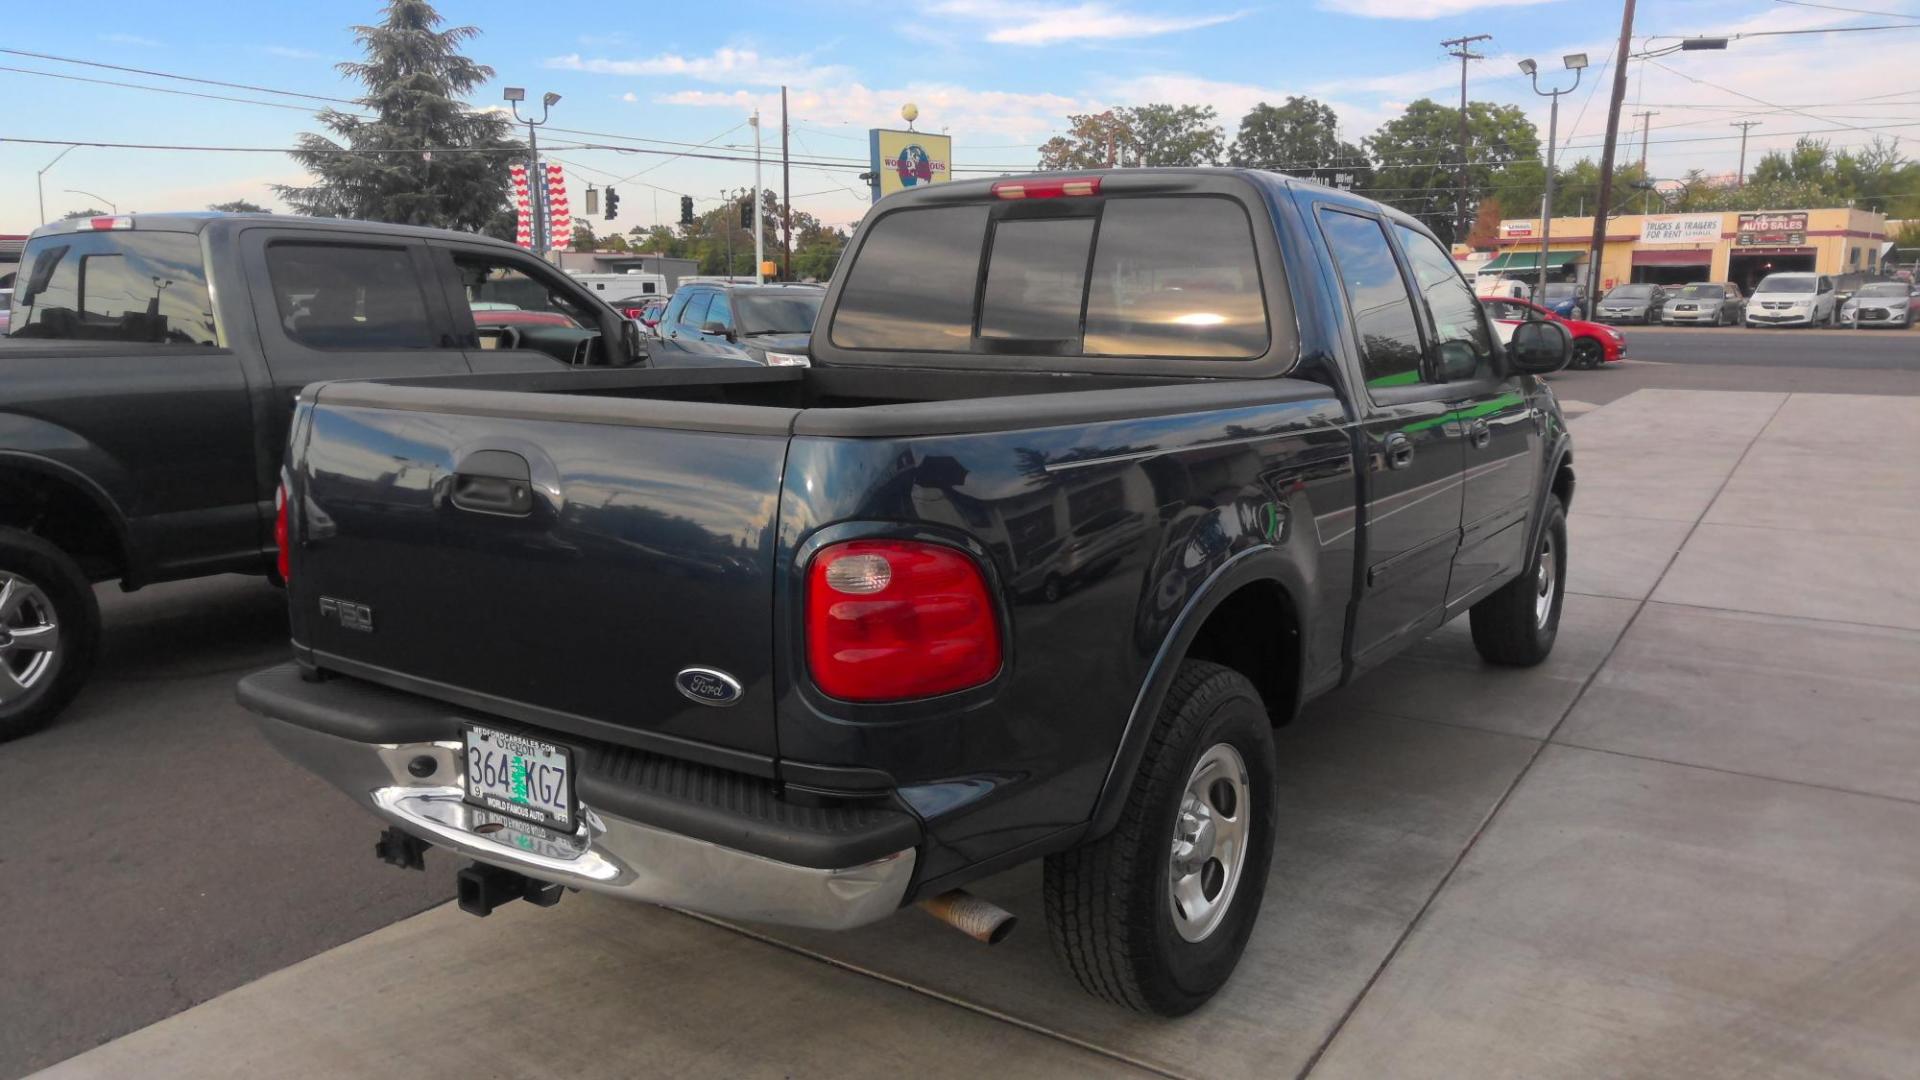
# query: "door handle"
{"points": [[1480, 434], [494, 482], [1399, 451]]}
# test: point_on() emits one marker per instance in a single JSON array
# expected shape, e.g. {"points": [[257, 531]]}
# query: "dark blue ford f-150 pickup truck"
{"points": [[1094, 479]]}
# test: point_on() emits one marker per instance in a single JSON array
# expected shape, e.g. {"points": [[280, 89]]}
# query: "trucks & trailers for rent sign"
{"points": [[1680, 229]]}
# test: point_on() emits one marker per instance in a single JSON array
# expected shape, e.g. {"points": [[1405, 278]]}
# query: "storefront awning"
{"points": [[1530, 260], [1673, 258]]}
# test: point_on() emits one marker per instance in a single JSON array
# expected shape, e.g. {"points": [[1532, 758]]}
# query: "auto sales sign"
{"points": [[1680, 229]]}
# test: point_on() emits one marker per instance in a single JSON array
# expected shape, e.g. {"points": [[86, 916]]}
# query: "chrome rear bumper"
{"points": [[606, 853]]}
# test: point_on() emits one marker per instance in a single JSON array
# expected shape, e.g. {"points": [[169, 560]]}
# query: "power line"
{"points": [[181, 78], [308, 109], [1848, 10]]}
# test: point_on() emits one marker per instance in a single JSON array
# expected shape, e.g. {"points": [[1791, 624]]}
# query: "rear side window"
{"points": [[912, 285], [114, 286], [1377, 296], [348, 296], [1139, 277]]}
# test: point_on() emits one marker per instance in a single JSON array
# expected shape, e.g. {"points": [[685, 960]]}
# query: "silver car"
{"points": [[1706, 303], [1882, 303], [1635, 302]]}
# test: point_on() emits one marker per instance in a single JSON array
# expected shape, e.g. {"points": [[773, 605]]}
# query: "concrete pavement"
{"points": [[1683, 846]]}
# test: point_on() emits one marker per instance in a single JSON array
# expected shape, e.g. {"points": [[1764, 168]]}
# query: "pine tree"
{"points": [[416, 80]]}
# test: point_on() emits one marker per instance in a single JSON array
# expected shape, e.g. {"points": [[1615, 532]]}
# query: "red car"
{"points": [[1593, 343]]}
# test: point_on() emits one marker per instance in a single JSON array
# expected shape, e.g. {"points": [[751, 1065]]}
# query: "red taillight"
{"points": [[110, 223], [283, 563], [1047, 189], [889, 620]]}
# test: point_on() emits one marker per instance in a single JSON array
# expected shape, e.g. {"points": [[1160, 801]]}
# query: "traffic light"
{"points": [[686, 209], [613, 204], [746, 213]]}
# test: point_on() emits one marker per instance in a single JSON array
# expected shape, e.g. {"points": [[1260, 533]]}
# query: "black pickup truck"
{"points": [[147, 384], [1094, 479]]}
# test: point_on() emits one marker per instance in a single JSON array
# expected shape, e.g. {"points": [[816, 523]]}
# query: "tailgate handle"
{"points": [[494, 482]]}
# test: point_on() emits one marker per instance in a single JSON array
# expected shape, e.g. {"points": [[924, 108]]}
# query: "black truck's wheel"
{"points": [[49, 632], [1157, 932], [1517, 624]]}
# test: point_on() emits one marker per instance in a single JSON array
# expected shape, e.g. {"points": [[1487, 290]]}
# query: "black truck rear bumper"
{"points": [[650, 828]]}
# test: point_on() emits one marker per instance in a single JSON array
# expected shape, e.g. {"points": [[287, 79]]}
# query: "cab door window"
{"points": [[694, 315], [348, 296], [1462, 343], [721, 312], [1383, 313]]}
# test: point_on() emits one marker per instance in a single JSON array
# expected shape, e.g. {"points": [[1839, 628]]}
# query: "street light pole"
{"points": [[536, 180], [1576, 63], [759, 243], [39, 189], [112, 207]]}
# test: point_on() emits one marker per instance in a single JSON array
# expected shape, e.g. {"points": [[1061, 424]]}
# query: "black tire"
{"points": [[41, 587], [1508, 627], [1588, 354], [1110, 908]]}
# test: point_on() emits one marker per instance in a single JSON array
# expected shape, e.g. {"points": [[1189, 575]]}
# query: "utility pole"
{"points": [[1646, 125], [786, 194], [1743, 125], [759, 245], [1599, 240], [1462, 47]]}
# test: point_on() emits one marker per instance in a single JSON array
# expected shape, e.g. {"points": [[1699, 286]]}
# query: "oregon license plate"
{"points": [[521, 777]]}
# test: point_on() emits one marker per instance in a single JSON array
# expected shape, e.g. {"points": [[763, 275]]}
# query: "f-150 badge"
{"points": [[349, 615], [708, 687]]}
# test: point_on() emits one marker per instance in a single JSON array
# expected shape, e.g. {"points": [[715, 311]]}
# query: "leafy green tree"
{"points": [[423, 157], [239, 206], [1301, 138], [73, 215], [1414, 156], [1148, 135]]}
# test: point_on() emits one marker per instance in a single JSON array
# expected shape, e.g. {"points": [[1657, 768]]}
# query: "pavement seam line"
{"points": [[1500, 804], [937, 995]]}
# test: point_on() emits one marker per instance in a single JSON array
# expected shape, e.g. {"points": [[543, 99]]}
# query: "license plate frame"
{"points": [[491, 785]]}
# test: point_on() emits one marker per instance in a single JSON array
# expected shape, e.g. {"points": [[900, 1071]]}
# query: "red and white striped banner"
{"points": [[523, 207], [559, 215]]}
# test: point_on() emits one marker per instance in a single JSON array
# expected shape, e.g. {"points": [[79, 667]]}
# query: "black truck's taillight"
{"points": [[893, 620], [280, 534]]}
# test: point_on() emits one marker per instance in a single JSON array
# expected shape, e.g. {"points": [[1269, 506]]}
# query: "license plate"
{"points": [[521, 777]]}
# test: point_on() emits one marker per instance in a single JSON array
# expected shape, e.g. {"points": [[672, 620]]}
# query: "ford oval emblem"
{"points": [[708, 686]]}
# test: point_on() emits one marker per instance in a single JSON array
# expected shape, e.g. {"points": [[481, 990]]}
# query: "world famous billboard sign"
{"points": [[903, 160]]}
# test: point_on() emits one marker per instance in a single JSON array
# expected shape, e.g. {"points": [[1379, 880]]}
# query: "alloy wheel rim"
{"points": [[29, 637], [1543, 578], [1209, 849]]}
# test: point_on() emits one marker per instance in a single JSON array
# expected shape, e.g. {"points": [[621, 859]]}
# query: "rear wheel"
{"points": [[1517, 624], [49, 632], [1587, 354], [1155, 914]]}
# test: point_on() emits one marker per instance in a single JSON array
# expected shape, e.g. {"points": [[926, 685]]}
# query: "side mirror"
{"points": [[1540, 348], [633, 341], [717, 329]]}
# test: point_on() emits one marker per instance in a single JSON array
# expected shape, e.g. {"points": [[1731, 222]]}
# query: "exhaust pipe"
{"points": [[982, 920]]}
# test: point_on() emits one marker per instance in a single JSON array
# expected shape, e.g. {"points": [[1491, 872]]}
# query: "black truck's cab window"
{"points": [[1457, 317], [1176, 277], [114, 286], [912, 287], [1383, 313], [348, 296]]}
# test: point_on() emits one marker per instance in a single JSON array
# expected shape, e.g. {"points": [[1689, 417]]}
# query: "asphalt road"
{"points": [[164, 854], [1734, 358]]}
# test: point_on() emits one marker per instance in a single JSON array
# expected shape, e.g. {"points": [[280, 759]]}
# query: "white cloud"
{"points": [[629, 97], [132, 39], [1002, 115], [288, 52], [724, 65], [1422, 11], [1038, 24]]}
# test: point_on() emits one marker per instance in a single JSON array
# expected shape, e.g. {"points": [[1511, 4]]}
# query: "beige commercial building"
{"points": [[1713, 245]]}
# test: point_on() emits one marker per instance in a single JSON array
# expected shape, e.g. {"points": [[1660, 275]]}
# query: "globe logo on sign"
{"points": [[914, 165]]}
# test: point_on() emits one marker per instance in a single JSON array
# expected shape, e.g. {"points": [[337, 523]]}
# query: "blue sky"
{"points": [[999, 76]]}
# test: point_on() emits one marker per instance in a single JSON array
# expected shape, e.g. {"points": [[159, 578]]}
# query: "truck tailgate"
{"points": [[633, 553]]}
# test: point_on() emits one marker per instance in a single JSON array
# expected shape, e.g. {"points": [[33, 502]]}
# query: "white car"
{"points": [[1881, 303], [1794, 299]]}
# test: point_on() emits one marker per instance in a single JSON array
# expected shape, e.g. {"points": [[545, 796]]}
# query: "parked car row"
{"points": [[1789, 298]]}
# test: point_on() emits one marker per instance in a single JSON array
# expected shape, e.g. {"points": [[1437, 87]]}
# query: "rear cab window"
{"points": [[118, 285], [1143, 281]]}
